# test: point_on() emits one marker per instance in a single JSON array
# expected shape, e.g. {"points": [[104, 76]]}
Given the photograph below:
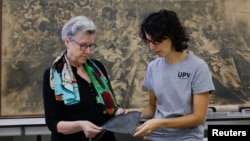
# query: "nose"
{"points": [[152, 46], [87, 50]]}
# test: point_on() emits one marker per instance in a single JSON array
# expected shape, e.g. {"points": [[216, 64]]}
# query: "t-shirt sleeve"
{"points": [[147, 79], [202, 81]]}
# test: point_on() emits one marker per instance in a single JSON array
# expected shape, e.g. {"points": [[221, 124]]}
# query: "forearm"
{"points": [[68, 127], [181, 122]]}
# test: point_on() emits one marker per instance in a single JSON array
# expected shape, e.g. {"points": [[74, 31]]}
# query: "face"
{"points": [[162, 49], [79, 48]]}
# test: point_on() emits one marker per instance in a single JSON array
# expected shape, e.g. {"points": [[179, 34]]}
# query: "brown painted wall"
{"points": [[219, 31]]}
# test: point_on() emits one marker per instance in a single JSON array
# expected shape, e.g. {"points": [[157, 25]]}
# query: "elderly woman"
{"points": [[77, 94]]}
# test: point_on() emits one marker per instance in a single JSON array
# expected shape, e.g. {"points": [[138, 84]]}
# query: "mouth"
{"points": [[84, 55]]}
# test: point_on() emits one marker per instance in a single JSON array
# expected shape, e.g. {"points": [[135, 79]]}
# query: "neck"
{"points": [[175, 57], [75, 63]]}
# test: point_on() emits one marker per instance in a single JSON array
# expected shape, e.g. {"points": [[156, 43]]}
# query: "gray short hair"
{"points": [[77, 24]]}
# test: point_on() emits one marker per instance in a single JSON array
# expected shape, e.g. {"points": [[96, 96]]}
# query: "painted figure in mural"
{"points": [[78, 97], [179, 83]]}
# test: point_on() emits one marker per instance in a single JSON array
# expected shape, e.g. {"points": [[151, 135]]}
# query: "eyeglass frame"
{"points": [[147, 41], [83, 47]]}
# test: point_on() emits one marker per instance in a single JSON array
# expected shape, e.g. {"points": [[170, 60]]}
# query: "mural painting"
{"points": [[219, 32]]}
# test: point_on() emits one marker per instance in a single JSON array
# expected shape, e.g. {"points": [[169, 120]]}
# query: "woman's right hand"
{"points": [[120, 111], [132, 110]]}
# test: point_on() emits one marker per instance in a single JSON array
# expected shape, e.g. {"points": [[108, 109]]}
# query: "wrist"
{"points": [[119, 111], [139, 109]]}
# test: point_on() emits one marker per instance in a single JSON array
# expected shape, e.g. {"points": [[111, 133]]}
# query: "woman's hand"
{"points": [[90, 130], [132, 110], [146, 128], [125, 111], [120, 111]]}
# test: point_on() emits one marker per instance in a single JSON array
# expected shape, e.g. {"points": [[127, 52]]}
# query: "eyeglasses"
{"points": [[147, 41], [85, 46]]}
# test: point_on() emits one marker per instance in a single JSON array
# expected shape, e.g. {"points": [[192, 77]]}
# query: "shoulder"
{"points": [[46, 72], [156, 62], [196, 59], [46, 75], [97, 62], [100, 65], [197, 64]]}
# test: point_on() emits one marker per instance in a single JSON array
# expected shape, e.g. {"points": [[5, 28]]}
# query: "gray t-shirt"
{"points": [[174, 85]]}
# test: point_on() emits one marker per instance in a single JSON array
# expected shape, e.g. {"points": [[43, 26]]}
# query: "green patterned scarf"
{"points": [[105, 94], [66, 89]]}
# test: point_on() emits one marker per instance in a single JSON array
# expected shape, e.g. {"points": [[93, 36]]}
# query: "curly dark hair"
{"points": [[162, 25]]}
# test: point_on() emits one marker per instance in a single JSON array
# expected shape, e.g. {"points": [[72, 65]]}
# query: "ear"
{"points": [[67, 41]]}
